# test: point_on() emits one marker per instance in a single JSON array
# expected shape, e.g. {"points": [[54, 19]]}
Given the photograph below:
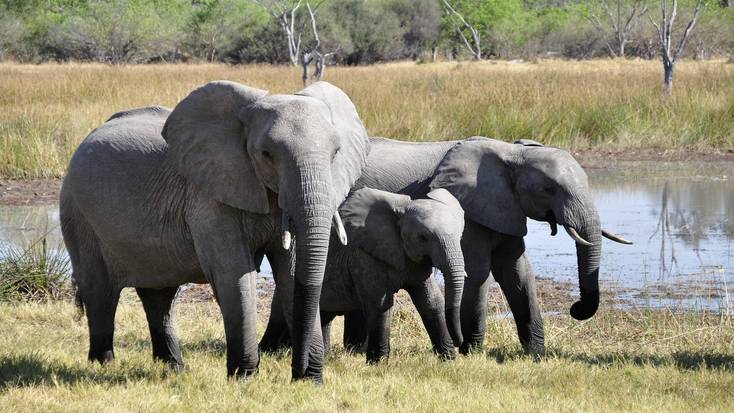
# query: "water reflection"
{"points": [[680, 216]]}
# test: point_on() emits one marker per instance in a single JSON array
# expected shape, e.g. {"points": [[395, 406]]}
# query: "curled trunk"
{"points": [[583, 217]]}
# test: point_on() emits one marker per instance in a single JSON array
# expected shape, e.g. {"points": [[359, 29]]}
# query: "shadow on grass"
{"points": [[682, 360], [26, 370]]}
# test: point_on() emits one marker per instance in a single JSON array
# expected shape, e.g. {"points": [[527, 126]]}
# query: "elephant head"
{"points": [[500, 184], [395, 229], [238, 144]]}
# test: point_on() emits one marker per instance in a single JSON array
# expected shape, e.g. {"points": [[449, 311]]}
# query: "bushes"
{"points": [[361, 31], [34, 273]]}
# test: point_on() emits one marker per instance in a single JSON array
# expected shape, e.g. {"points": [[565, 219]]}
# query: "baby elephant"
{"points": [[394, 243]]}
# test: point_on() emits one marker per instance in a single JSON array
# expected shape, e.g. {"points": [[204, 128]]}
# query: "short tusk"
{"points": [[340, 228], [554, 228], [576, 237], [286, 237], [615, 237]]}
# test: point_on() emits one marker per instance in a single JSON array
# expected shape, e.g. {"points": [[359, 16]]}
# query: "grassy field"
{"points": [[618, 361], [46, 110]]}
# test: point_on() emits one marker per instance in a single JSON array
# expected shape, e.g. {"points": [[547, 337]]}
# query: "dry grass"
{"points": [[618, 361], [45, 111]]}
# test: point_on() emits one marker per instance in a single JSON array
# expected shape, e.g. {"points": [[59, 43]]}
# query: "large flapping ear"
{"points": [[351, 156], [370, 218], [475, 172], [206, 143]]}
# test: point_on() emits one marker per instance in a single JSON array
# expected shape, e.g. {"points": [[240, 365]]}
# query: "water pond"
{"points": [[679, 215]]}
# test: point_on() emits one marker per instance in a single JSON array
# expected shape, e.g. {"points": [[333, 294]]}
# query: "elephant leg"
{"points": [[226, 258], [99, 297], [276, 337], [159, 305], [512, 270], [378, 329], [476, 244], [429, 302], [326, 319], [355, 331]]}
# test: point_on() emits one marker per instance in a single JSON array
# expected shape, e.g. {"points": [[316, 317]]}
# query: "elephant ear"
{"points": [[475, 172], [351, 156], [370, 218], [206, 144], [443, 196]]}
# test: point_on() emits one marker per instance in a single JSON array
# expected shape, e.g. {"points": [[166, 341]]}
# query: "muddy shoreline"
{"points": [[18, 192]]}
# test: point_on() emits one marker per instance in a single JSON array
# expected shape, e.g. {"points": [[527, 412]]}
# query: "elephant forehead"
{"points": [[436, 216], [558, 165]]}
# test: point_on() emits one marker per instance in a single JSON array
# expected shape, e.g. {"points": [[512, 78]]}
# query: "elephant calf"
{"points": [[394, 241]]}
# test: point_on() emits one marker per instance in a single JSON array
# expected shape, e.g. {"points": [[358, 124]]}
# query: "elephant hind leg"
{"points": [[355, 331], [158, 305], [276, 337], [100, 302]]}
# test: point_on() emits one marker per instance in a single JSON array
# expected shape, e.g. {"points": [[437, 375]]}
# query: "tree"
{"points": [[622, 23], [665, 36], [476, 47], [314, 54], [285, 12]]}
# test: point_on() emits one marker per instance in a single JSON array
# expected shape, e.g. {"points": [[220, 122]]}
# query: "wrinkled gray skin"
{"points": [[154, 199], [393, 244], [499, 185]]}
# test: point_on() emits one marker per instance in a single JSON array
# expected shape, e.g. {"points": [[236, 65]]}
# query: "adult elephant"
{"points": [[154, 199], [499, 186]]}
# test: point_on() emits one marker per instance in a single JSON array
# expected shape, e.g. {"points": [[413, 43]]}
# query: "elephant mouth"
{"points": [[550, 218]]}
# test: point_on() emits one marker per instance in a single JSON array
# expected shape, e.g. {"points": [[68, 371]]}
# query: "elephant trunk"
{"points": [[312, 211], [582, 223], [454, 275]]}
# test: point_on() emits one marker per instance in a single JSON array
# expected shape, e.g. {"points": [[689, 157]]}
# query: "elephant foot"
{"points": [[316, 378], [446, 355], [241, 374], [175, 366], [103, 357], [535, 350], [470, 347]]}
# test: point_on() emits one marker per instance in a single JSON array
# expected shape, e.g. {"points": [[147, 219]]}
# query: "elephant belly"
{"points": [[338, 293]]}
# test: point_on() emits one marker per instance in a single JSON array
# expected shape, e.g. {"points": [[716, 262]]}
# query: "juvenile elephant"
{"points": [[499, 185], [154, 199], [394, 244]]}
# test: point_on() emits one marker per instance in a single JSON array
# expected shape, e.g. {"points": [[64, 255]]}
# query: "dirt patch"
{"points": [[29, 192]]}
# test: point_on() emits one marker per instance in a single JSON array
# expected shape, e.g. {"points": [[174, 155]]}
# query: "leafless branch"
{"points": [[475, 50]]}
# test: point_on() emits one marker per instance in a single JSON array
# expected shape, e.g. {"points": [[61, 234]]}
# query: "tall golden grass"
{"points": [[45, 111]]}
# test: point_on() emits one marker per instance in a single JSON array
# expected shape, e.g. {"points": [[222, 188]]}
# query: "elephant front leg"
{"points": [[237, 298], [478, 261], [429, 302], [276, 337], [512, 270], [355, 331]]}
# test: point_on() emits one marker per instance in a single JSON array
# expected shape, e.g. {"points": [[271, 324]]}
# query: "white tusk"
{"points": [[286, 237], [576, 237], [340, 228], [615, 237]]}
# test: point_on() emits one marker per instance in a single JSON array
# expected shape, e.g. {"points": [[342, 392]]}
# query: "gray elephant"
{"points": [[394, 244], [154, 199], [499, 185]]}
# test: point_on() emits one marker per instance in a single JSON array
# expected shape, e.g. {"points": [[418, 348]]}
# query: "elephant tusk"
{"points": [[576, 237], [340, 228], [615, 237], [554, 228], [286, 237]]}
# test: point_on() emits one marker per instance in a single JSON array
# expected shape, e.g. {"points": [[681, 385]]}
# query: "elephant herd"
{"points": [[156, 198]]}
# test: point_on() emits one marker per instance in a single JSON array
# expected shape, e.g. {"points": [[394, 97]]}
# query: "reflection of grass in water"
{"points": [[34, 272]]}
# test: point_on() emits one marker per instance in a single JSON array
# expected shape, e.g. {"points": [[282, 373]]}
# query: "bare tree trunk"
{"points": [[476, 49], [665, 34], [621, 24]]}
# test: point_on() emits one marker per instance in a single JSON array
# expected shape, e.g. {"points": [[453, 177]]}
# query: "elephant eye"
{"points": [[267, 155], [422, 238], [550, 190]]}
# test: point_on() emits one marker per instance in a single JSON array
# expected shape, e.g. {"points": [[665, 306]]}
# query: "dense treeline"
{"points": [[355, 31]]}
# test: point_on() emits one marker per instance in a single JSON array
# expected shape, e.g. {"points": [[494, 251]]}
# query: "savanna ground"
{"points": [[625, 358]]}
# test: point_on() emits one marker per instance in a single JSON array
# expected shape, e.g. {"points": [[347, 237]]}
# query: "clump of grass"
{"points": [[34, 273], [46, 110]]}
